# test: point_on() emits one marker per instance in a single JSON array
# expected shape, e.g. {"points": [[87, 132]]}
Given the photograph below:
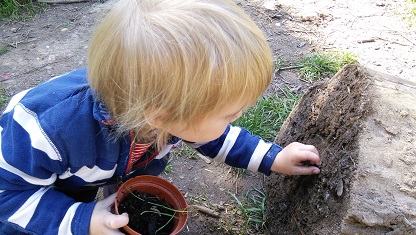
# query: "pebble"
{"points": [[404, 113]]}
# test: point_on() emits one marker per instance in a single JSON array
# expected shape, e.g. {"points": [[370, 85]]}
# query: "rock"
{"points": [[366, 142]]}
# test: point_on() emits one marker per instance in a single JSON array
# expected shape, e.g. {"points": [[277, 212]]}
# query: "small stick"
{"points": [[340, 185], [399, 43], [290, 67], [366, 40], [207, 211], [207, 160], [297, 225], [284, 92]]}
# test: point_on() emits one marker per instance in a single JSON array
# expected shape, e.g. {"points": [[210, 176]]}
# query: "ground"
{"points": [[55, 42]]}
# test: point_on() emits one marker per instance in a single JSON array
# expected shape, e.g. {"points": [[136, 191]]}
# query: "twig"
{"points": [[207, 160], [366, 40], [340, 184], [236, 183], [207, 211], [303, 80], [387, 40], [353, 162], [414, 44], [302, 31], [14, 44], [284, 92], [290, 67], [297, 225]]}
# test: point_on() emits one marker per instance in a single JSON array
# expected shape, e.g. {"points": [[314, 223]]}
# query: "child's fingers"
{"points": [[309, 148], [307, 158], [109, 201], [308, 153], [313, 158], [306, 170], [115, 222]]}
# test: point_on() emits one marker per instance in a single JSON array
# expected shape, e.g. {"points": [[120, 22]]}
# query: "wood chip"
{"points": [[207, 211], [206, 159]]}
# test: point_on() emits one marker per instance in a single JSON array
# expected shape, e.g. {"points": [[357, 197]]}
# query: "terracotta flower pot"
{"points": [[156, 186]]}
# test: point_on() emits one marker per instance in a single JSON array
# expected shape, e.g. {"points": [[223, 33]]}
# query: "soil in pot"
{"points": [[148, 214]]}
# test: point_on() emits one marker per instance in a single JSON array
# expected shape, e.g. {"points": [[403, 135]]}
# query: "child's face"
{"points": [[210, 129]]}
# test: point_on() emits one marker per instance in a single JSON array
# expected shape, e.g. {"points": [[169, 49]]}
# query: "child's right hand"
{"points": [[103, 222], [291, 160]]}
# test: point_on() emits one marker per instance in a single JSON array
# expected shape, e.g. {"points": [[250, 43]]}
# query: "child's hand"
{"points": [[103, 222], [297, 159]]}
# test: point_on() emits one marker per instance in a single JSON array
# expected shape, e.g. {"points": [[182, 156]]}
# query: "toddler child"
{"points": [[159, 72]]}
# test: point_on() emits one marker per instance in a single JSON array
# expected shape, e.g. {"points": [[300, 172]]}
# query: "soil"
{"points": [[138, 205], [55, 42]]}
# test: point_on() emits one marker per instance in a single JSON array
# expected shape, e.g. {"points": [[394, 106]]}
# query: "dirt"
{"points": [[148, 213], [55, 42]]}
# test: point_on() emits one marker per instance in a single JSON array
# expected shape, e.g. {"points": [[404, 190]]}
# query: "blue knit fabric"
{"points": [[53, 139]]}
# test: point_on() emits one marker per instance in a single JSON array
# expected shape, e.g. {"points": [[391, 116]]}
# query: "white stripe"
{"points": [[24, 214], [66, 174], [228, 144], [65, 226], [28, 178], [57, 77], [92, 174], [2, 191], [15, 99], [165, 150], [29, 121], [258, 155]]}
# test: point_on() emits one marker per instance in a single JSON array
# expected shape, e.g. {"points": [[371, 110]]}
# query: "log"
{"points": [[363, 123]]}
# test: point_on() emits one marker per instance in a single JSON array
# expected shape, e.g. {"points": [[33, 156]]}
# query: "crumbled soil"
{"points": [[147, 213], [55, 42]]}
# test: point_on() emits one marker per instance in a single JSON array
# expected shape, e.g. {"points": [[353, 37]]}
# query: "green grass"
{"points": [[184, 150], [321, 65], [4, 98], [4, 49], [198, 199], [253, 209], [266, 117], [410, 12], [169, 167], [12, 10]]}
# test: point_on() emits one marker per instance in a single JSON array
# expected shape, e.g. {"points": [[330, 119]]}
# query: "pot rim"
{"points": [[160, 187]]}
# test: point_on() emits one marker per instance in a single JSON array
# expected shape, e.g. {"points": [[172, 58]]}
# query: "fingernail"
{"points": [[316, 171]]}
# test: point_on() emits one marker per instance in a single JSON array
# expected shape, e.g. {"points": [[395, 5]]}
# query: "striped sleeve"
{"points": [[238, 148], [29, 165]]}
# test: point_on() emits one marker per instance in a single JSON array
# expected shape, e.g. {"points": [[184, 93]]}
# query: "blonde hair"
{"points": [[180, 60]]}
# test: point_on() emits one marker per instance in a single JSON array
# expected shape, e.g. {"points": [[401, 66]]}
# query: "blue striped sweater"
{"points": [[54, 138]]}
